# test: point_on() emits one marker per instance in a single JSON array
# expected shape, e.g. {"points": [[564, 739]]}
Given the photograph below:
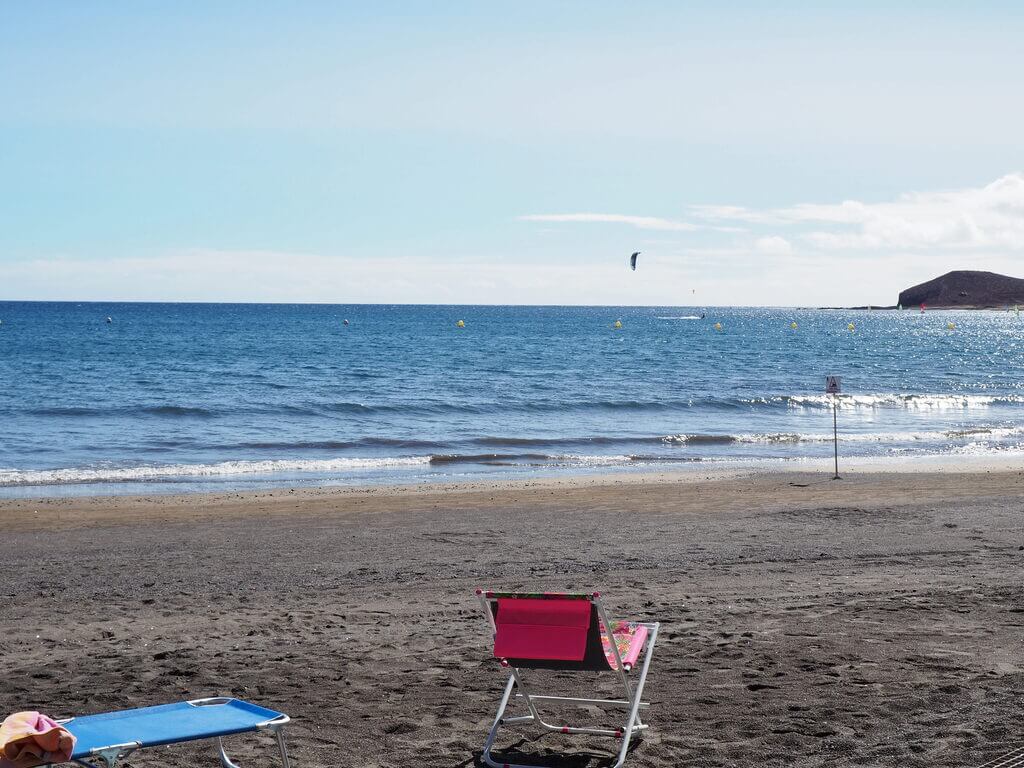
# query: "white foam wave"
{"points": [[78, 475], [977, 448], [921, 402], [968, 439], [591, 461], [973, 433]]}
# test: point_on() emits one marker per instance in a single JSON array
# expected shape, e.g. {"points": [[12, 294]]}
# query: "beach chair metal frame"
{"points": [[1012, 759], [633, 701], [108, 755]]}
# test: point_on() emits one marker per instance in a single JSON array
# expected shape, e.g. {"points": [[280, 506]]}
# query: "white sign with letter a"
{"points": [[833, 385]]}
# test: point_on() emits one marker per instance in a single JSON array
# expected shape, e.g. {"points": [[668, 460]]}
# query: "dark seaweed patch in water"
{"points": [[665, 459], [701, 439], [499, 442], [482, 458], [366, 442], [127, 410], [175, 410]]}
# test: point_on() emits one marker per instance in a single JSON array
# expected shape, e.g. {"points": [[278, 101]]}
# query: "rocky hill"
{"points": [[966, 289]]}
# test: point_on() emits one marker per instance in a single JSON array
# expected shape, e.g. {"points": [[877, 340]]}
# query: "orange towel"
{"points": [[30, 738]]}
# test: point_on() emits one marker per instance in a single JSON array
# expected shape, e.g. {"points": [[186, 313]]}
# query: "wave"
{"points": [[679, 317], [168, 472], [226, 469], [951, 440], [447, 452], [892, 400], [490, 408], [992, 432], [943, 435]]}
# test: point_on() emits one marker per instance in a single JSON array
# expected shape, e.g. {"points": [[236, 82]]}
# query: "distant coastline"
{"points": [[960, 289], [928, 307]]}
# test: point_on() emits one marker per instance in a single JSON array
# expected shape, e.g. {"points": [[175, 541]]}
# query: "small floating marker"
{"points": [[344, 322], [950, 326], [617, 325], [460, 324], [109, 320], [851, 327], [793, 325], [718, 326]]}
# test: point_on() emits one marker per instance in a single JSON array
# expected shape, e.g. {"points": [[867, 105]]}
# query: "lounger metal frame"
{"points": [[110, 754], [633, 701], [1014, 759]]}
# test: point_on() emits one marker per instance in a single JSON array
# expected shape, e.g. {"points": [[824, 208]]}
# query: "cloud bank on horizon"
{"points": [[416, 152], [919, 234]]}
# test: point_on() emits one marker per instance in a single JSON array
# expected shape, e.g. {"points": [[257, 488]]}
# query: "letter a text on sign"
{"points": [[833, 385]]}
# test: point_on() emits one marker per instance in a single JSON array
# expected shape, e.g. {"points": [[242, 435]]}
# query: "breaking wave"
{"points": [[168, 472], [677, 448]]}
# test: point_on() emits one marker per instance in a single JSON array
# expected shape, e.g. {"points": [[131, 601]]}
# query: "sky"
{"points": [[465, 152]]}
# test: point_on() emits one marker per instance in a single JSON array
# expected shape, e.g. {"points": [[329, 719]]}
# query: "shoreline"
{"points": [[949, 480], [684, 473]]}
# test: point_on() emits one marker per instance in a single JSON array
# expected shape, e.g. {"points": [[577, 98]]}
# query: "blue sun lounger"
{"points": [[108, 737]]}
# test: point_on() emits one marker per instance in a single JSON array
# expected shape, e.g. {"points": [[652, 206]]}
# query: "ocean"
{"points": [[205, 397]]}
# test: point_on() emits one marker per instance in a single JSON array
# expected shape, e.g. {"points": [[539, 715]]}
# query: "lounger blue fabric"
{"points": [[165, 724]]}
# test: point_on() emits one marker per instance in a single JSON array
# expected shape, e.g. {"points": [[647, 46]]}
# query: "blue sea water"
{"points": [[216, 396]]}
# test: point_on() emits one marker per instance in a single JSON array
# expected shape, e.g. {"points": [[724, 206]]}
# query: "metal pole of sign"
{"points": [[833, 386], [835, 433]]}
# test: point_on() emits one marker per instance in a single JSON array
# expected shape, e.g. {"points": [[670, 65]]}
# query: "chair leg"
{"points": [[637, 697], [226, 761], [500, 719], [108, 756], [534, 715], [281, 748], [107, 761], [497, 724]]}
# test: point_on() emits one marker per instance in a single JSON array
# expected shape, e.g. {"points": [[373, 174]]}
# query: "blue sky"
{"points": [[471, 152]]}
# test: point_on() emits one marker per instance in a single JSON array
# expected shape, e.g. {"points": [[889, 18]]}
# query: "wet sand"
{"points": [[872, 621]]}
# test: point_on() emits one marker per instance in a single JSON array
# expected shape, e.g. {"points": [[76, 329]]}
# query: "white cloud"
{"points": [[988, 217], [773, 245], [732, 213], [640, 222]]}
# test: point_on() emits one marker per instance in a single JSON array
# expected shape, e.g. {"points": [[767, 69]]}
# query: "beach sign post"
{"points": [[833, 386]]}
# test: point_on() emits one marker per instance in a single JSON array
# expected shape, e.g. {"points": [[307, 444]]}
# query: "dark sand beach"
{"points": [[873, 621]]}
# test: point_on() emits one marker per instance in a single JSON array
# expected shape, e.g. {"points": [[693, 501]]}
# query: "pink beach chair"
{"points": [[571, 633]]}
